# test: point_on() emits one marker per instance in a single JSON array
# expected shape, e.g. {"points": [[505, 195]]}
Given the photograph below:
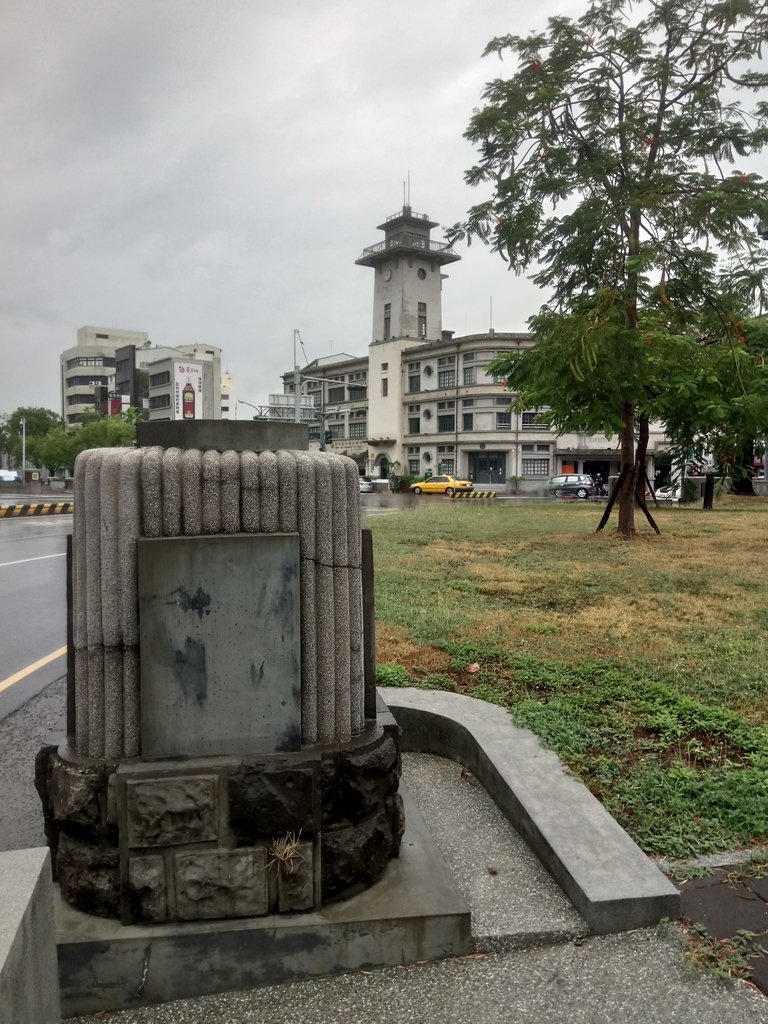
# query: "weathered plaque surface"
{"points": [[220, 645]]}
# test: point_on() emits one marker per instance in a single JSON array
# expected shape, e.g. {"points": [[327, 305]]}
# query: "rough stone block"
{"points": [[354, 857], [77, 794], [213, 884], [171, 811], [266, 802], [296, 881], [89, 876], [145, 894], [360, 781]]}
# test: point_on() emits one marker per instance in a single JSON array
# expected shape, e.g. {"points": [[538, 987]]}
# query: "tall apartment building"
{"points": [[90, 364], [430, 405], [130, 370]]}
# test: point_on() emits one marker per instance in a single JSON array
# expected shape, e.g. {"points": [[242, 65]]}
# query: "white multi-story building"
{"points": [[430, 406], [111, 368], [90, 365]]}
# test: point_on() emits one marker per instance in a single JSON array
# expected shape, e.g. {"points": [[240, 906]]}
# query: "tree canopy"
{"points": [[37, 422], [615, 157]]}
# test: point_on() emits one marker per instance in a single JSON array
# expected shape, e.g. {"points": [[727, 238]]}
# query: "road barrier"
{"points": [[474, 494], [48, 508]]}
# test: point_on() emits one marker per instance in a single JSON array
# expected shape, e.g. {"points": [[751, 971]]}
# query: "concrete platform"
{"points": [[413, 913], [607, 877]]}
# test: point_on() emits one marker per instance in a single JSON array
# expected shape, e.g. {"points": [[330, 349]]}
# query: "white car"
{"points": [[366, 485], [670, 493], [9, 476]]}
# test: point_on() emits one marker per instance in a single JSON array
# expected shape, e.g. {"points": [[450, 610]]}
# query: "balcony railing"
{"points": [[411, 241]]}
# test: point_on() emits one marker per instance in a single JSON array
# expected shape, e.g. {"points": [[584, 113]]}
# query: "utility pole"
{"points": [[23, 450], [296, 380]]}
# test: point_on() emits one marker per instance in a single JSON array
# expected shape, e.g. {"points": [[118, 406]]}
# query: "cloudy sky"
{"points": [[209, 170]]}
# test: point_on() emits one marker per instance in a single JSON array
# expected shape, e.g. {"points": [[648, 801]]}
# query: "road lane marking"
{"points": [[37, 558], [7, 683]]}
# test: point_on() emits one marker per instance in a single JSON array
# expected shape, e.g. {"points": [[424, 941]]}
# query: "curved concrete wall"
{"points": [[122, 494]]}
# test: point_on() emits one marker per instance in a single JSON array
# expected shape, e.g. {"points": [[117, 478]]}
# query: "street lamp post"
{"points": [[296, 379], [23, 450]]}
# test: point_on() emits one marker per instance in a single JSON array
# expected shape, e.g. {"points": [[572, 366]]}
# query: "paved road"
{"points": [[32, 606]]}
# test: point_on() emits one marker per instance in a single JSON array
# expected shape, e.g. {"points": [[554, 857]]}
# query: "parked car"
{"points": [[577, 484], [669, 493], [366, 485], [440, 485], [9, 476]]}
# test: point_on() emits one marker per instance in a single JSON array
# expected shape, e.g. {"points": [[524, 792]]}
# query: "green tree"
{"points": [[607, 153], [55, 450], [37, 422], [59, 448]]}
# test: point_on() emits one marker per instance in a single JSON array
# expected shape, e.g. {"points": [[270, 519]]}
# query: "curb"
{"points": [[607, 877], [48, 508]]}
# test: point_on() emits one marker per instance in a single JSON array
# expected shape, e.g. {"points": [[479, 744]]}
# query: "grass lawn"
{"points": [[644, 664]]}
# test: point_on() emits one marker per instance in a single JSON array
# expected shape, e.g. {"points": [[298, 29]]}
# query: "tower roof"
{"points": [[407, 232]]}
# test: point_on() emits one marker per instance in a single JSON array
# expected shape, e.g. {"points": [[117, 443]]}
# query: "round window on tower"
{"points": [[421, 273]]}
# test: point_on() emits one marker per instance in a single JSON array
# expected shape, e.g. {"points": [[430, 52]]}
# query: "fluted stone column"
{"points": [[123, 494]]}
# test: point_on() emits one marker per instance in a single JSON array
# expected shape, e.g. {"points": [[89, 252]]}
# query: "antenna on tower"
{"points": [[409, 187], [490, 326]]}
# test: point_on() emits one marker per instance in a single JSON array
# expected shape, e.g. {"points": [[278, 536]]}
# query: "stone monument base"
{"points": [[414, 912], [222, 837]]}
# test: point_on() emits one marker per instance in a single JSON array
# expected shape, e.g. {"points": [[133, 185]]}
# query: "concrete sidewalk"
{"points": [[564, 976]]}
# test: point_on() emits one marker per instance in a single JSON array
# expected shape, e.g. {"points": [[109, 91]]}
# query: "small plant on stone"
{"points": [[722, 958], [687, 872], [285, 852]]}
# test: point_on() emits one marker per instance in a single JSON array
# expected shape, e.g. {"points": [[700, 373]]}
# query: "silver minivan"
{"points": [[577, 484]]}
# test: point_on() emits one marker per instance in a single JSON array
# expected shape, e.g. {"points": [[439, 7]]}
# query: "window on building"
{"points": [[469, 375], [445, 405], [85, 382], [337, 431], [336, 394], [157, 380], [534, 467], [446, 424], [384, 366], [503, 421], [422, 319], [414, 467], [446, 378], [314, 432], [384, 387], [414, 424], [468, 421], [467, 402], [469, 357], [531, 420], [90, 361], [102, 335], [414, 383], [387, 319], [160, 402], [446, 361], [80, 399], [358, 429]]}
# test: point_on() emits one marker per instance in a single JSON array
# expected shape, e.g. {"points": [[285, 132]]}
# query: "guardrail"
{"points": [[47, 508]]}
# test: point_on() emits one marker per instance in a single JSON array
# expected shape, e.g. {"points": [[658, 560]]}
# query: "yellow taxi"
{"points": [[440, 485]]}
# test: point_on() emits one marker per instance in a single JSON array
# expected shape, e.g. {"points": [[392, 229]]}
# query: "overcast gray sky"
{"points": [[209, 170]]}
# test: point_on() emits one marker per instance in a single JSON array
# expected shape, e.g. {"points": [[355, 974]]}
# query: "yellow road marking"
{"points": [[6, 683]]}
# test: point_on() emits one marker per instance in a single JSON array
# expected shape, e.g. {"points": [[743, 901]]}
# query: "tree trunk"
{"points": [[627, 496]]}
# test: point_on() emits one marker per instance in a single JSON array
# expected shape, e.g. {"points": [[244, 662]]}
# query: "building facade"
{"points": [[430, 406], [110, 369], [90, 365]]}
